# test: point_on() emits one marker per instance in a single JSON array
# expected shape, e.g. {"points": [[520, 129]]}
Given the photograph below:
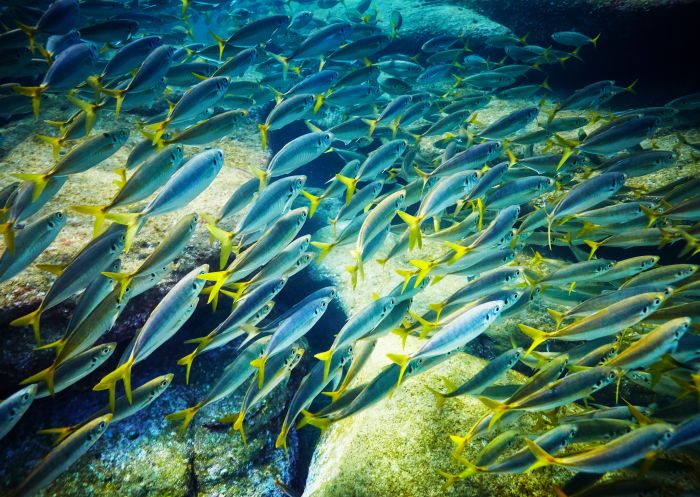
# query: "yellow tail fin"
{"points": [[439, 397], [54, 141], [537, 336], [45, 376], [124, 280], [281, 440], [259, 363], [314, 201], [317, 421], [39, 180], [414, 234], [594, 247], [326, 358], [34, 92], [325, 249], [96, 211], [225, 239], [424, 268], [131, 220], [219, 278], [263, 134], [459, 250], [186, 415], [59, 433], [402, 360], [350, 185], [110, 381], [32, 319], [541, 456]]}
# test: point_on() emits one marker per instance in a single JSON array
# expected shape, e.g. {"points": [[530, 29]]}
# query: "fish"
{"points": [[64, 455], [143, 396], [76, 275], [191, 179], [13, 408], [454, 335], [165, 320], [289, 331], [618, 453], [607, 321]]}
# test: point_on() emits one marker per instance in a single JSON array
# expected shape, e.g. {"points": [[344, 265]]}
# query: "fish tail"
{"points": [[334, 396], [541, 456], [326, 358], [219, 41], [124, 280], [314, 201], [186, 415], [320, 99], [131, 221], [403, 334], [238, 425], [353, 270], [57, 345], [350, 185], [110, 381], [33, 92], [281, 440], [159, 129], [54, 141], [406, 275], [497, 410], [594, 247], [59, 433], [263, 134], [424, 268], [460, 443], [425, 324], [118, 95], [219, 278], [372, 125], [209, 219], [545, 84], [96, 211], [402, 360], [88, 108], [512, 158], [259, 363], [537, 336], [8, 233], [225, 239], [45, 376], [282, 60], [30, 31], [565, 156], [121, 172], [595, 39], [32, 319], [357, 254], [450, 479], [414, 234], [39, 180], [459, 250], [557, 316], [313, 420], [651, 214], [261, 175], [439, 397]]}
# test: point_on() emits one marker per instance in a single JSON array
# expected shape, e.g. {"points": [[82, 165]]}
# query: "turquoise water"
{"points": [[365, 248]]}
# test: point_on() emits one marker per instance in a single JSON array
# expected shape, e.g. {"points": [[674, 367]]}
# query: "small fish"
{"points": [[64, 455], [13, 408]]}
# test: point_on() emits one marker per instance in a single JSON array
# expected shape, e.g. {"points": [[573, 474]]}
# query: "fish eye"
{"points": [[25, 397], [645, 310], [657, 301]]}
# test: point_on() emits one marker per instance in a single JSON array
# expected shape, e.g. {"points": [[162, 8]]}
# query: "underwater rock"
{"points": [[145, 455], [397, 446]]}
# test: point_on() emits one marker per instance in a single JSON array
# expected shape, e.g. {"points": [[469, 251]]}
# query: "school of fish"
{"points": [[421, 166]]}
